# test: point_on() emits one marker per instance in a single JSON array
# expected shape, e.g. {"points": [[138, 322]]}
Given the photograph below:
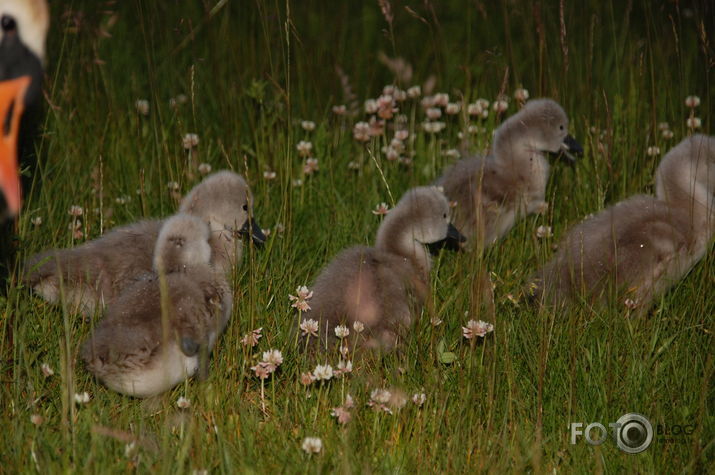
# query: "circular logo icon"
{"points": [[634, 433]]}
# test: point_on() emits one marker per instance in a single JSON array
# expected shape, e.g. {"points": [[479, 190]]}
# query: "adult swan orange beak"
{"points": [[23, 29]]}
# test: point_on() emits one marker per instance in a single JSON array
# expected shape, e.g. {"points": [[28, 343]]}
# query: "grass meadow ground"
{"points": [[250, 71]]}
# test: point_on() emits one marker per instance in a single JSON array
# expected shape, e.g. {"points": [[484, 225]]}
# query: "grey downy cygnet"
{"points": [[160, 330], [91, 275], [491, 193], [383, 286], [633, 251]]}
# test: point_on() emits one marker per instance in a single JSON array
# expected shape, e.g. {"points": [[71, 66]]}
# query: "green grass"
{"points": [[251, 71]]}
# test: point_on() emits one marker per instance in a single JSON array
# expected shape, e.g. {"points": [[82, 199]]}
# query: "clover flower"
{"points": [[381, 209], [323, 372], [300, 300], [309, 327], [190, 141], [251, 338], [304, 148], [341, 331], [476, 328], [312, 445]]}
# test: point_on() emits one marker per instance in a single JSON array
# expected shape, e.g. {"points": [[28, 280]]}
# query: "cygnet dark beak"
{"points": [[252, 229], [571, 149], [453, 241]]}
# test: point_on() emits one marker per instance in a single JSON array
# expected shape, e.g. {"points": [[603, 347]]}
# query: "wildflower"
{"points": [[653, 151], [371, 106], [379, 399], [631, 304], [300, 301], [361, 132], [402, 134], [482, 103], [263, 369], [341, 331], [353, 165], [312, 445], [296, 182], [391, 154], [323, 372], [76, 210], [433, 127], [309, 327], [386, 107], [419, 399], [274, 357], [142, 106], [381, 396], [694, 123], [181, 99], [183, 403], [358, 326], [476, 328], [485, 113], [435, 321], [667, 134], [692, 101], [173, 186], [340, 110], [342, 414], [377, 127], [451, 153], [397, 145], [521, 95], [399, 95], [204, 168], [269, 175], [441, 99], [452, 108], [663, 126], [500, 105], [36, 221], [304, 148], [543, 232], [190, 141], [37, 419], [381, 209], [47, 371], [433, 113], [306, 379], [82, 398], [427, 102], [310, 166], [307, 125], [344, 367], [414, 92], [251, 338], [474, 109]]}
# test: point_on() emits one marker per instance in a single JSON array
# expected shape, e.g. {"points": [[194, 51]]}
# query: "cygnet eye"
{"points": [[445, 216], [245, 207], [8, 23], [561, 127]]}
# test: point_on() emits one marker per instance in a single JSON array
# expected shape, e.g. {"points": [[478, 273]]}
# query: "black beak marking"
{"points": [[251, 228], [453, 241], [571, 148]]}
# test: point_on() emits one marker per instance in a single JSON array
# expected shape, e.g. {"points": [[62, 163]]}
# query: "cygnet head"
{"points": [[422, 216], [183, 242], [541, 126], [686, 174], [224, 200]]}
